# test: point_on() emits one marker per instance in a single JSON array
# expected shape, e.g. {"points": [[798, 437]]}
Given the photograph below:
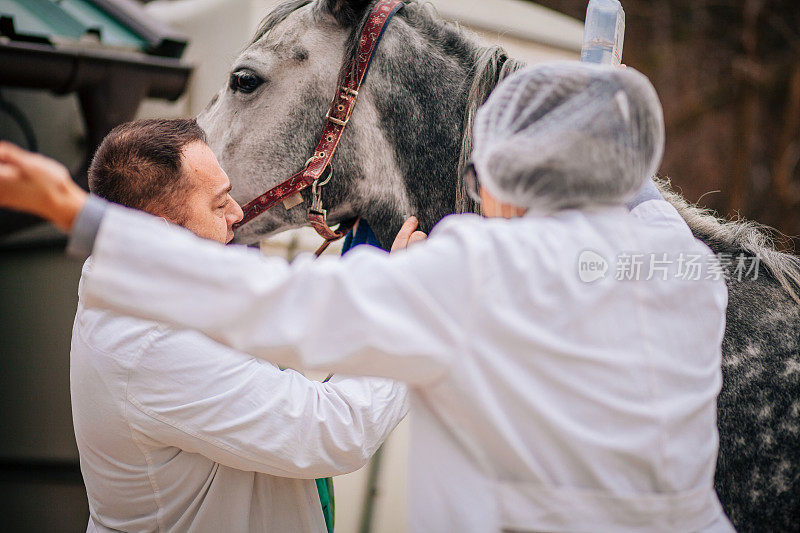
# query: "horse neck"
{"points": [[428, 93], [420, 82]]}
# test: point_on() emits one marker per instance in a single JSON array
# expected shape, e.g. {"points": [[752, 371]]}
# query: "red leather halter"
{"points": [[337, 118]]}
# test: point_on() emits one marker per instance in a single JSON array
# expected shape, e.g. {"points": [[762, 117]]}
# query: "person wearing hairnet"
{"points": [[553, 387]]}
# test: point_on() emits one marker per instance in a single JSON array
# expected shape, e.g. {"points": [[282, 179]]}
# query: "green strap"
{"points": [[325, 490]]}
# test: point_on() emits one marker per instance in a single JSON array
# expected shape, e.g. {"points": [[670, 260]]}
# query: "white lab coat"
{"points": [[541, 402], [179, 433]]}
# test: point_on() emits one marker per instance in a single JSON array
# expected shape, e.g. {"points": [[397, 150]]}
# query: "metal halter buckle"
{"points": [[346, 93], [338, 122], [316, 192]]}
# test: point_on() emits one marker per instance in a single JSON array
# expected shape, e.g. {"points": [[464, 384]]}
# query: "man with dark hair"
{"points": [[139, 165], [164, 167], [177, 432]]}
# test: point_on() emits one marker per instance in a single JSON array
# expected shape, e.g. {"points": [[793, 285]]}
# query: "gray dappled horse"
{"points": [[402, 154]]}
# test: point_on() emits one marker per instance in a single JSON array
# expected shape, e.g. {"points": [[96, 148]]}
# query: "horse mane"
{"points": [[737, 236], [492, 66]]}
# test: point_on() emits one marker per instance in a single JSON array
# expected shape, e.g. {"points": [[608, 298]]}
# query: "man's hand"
{"points": [[38, 185], [407, 235]]}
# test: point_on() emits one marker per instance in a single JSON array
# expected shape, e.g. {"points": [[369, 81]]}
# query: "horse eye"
{"points": [[245, 80]]}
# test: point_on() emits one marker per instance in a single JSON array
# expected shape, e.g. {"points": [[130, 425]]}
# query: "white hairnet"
{"points": [[568, 134]]}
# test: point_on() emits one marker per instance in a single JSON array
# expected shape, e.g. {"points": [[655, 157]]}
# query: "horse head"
{"points": [[401, 151]]}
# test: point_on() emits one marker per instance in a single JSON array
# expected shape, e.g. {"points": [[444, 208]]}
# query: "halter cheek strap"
{"points": [[337, 118]]}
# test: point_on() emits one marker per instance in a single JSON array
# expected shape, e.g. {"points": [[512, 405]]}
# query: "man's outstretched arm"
{"points": [[399, 325], [365, 314]]}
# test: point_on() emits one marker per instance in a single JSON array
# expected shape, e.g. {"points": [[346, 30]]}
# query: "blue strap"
{"points": [[361, 234]]}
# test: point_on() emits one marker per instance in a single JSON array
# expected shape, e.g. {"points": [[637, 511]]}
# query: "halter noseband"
{"points": [[337, 119]]}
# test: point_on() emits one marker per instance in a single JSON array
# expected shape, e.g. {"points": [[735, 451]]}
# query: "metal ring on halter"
{"points": [[329, 167], [330, 175], [316, 194]]}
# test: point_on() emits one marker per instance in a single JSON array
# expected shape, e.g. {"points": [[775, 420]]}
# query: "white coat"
{"points": [[541, 402], [179, 433]]}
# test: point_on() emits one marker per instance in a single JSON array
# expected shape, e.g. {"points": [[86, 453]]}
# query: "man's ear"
{"points": [[346, 12]]}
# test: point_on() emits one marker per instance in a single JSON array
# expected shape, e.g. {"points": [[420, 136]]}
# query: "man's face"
{"points": [[210, 212]]}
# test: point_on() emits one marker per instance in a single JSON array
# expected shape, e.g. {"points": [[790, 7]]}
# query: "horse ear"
{"points": [[346, 12]]}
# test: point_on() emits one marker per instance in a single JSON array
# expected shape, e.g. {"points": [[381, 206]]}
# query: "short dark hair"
{"points": [[139, 165]]}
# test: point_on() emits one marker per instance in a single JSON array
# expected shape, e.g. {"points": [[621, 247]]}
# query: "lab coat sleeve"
{"points": [[190, 392], [401, 316]]}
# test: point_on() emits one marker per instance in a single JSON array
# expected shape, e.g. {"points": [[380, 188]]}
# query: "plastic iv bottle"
{"points": [[603, 32]]}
